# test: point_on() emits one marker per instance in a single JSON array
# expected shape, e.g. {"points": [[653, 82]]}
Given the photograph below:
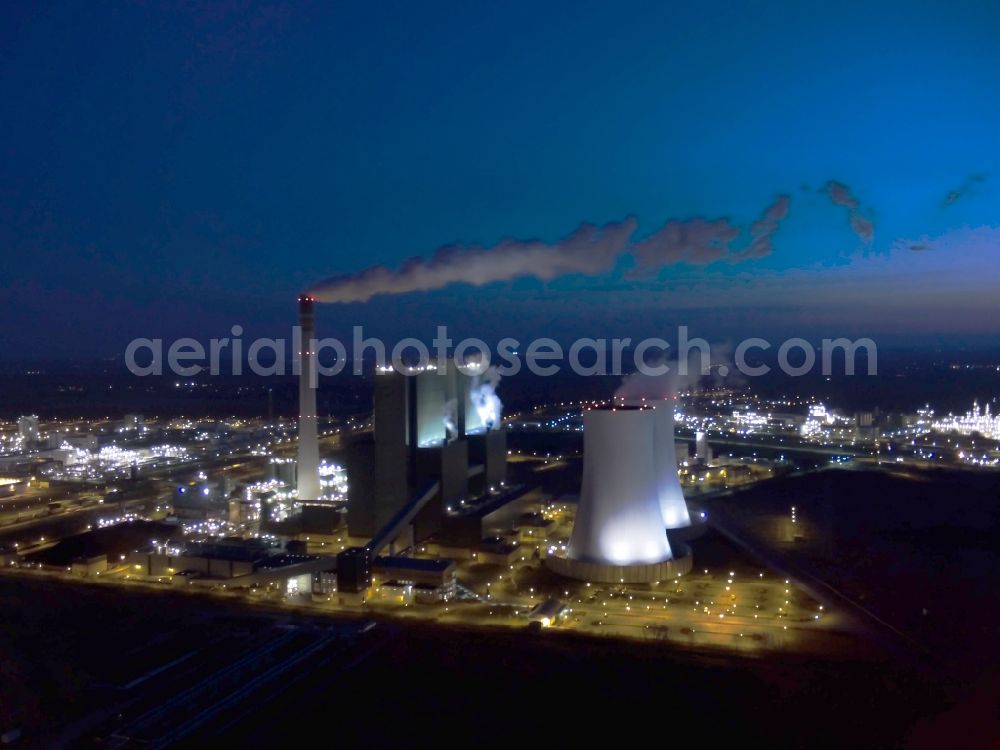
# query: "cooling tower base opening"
{"points": [[602, 573]]}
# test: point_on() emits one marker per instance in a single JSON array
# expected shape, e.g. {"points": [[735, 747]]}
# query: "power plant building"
{"points": [[420, 438], [437, 442]]}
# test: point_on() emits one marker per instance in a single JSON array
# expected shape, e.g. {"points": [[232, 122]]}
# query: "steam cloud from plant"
{"points": [[589, 250], [667, 376]]}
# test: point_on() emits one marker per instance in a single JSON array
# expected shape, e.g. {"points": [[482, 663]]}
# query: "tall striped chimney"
{"points": [[308, 464]]}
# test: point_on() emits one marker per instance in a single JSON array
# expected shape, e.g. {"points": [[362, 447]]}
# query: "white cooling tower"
{"points": [[308, 463], [618, 521], [673, 507]]}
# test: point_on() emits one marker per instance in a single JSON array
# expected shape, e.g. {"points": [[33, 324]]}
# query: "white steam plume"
{"points": [[590, 250], [703, 241], [449, 417], [682, 374], [484, 397]]}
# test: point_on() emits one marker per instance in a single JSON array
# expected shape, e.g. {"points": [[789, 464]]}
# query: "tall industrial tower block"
{"points": [[427, 430], [308, 463], [673, 507], [619, 521]]}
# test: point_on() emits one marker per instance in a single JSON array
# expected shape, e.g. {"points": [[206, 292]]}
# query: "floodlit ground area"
{"points": [[728, 601]]}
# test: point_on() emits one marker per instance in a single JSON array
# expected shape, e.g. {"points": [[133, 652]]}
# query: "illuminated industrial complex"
{"points": [[601, 517], [590, 517], [381, 375]]}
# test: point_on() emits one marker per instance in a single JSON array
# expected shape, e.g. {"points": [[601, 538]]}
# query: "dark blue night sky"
{"points": [[173, 171]]}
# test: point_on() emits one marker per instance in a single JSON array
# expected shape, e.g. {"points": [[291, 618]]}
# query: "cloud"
{"points": [[875, 294], [921, 245], [841, 195], [589, 250], [862, 226], [981, 242], [703, 241], [697, 241], [964, 189], [762, 230]]}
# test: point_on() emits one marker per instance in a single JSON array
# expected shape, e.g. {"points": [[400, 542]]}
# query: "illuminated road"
{"points": [[829, 451]]}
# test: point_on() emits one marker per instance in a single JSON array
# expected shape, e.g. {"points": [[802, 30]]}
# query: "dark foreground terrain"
{"points": [[918, 548], [102, 666]]}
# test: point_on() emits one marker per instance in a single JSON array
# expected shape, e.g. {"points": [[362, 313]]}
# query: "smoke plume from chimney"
{"points": [[589, 250]]}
